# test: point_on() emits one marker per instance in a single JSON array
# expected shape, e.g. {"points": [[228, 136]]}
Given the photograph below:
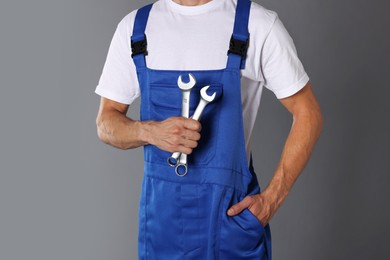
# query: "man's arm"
{"points": [[175, 134], [306, 128]]}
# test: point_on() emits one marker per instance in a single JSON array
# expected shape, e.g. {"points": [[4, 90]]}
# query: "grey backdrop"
{"points": [[65, 195]]}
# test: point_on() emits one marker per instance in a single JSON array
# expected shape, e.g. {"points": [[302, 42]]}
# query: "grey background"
{"points": [[65, 195]]}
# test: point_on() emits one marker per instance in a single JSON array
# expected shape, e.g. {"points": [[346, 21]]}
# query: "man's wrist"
{"points": [[276, 192], [144, 131]]}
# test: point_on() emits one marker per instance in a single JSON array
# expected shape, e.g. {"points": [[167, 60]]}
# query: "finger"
{"points": [[183, 149], [191, 135], [192, 124], [190, 144], [239, 207]]}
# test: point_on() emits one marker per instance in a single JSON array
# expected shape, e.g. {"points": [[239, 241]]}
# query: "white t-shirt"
{"points": [[197, 38]]}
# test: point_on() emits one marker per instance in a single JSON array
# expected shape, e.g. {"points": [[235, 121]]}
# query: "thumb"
{"points": [[239, 207]]}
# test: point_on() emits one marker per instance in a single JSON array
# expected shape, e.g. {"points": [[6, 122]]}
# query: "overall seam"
{"points": [[219, 220], [146, 217]]}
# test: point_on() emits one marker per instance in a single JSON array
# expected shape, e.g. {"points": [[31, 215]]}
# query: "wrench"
{"points": [[181, 168], [186, 91], [185, 109], [205, 99]]}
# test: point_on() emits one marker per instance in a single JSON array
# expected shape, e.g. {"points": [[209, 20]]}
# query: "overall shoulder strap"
{"points": [[138, 39], [239, 42]]}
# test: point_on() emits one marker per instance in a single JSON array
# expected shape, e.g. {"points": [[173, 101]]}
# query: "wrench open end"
{"points": [[205, 96], [186, 86]]}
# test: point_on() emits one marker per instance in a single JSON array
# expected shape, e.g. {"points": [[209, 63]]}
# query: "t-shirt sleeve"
{"points": [[282, 70], [118, 81]]}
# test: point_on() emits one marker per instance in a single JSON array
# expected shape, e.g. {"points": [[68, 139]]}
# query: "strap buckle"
{"points": [[238, 47], [139, 47]]}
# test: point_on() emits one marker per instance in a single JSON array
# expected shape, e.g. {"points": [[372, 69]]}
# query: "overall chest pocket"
{"points": [[166, 102]]}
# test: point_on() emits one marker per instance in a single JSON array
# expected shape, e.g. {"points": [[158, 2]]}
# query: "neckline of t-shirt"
{"points": [[193, 10]]}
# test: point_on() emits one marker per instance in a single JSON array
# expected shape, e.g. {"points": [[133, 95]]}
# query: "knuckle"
{"points": [[193, 124], [176, 140], [191, 143], [249, 200], [196, 125], [181, 121], [176, 130], [194, 136], [199, 126]]}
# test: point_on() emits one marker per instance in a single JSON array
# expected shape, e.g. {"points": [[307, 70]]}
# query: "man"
{"points": [[215, 210]]}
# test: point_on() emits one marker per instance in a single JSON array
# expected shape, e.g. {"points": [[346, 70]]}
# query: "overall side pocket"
{"points": [[242, 236]]}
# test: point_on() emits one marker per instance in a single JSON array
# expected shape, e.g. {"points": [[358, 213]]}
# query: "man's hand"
{"points": [[261, 206], [175, 134]]}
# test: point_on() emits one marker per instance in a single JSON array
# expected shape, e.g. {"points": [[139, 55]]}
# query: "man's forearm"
{"points": [[118, 130], [298, 147]]}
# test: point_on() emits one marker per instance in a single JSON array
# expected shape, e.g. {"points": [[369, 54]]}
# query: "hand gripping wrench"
{"points": [[185, 109], [181, 168]]}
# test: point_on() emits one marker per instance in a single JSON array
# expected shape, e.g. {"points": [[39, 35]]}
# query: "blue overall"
{"points": [[185, 217]]}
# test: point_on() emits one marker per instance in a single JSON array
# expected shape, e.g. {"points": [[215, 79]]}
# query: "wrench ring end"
{"points": [[181, 166], [172, 161]]}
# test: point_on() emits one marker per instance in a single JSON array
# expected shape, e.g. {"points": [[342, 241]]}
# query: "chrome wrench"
{"points": [[181, 168], [185, 111]]}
